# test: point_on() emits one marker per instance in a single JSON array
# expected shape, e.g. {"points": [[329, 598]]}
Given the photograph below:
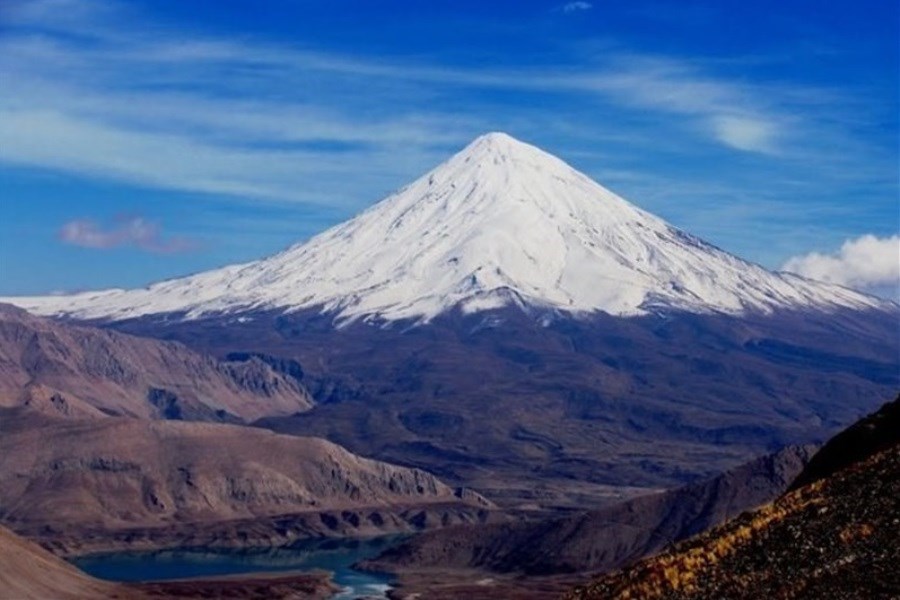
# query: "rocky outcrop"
{"points": [[864, 438], [70, 370], [263, 532]]}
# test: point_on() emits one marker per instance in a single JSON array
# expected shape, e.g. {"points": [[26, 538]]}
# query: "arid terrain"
{"points": [[132, 475], [835, 536], [121, 472], [512, 557], [71, 370], [118, 482], [28, 571], [580, 413]]}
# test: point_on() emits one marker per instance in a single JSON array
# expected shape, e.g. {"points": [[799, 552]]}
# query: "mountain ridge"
{"points": [[602, 539], [499, 223], [65, 369]]}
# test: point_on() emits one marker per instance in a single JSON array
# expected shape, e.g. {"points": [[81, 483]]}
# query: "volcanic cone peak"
{"points": [[500, 222]]}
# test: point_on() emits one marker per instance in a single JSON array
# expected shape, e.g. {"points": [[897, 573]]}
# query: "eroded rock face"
{"points": [[104, 476], [70, 370]]}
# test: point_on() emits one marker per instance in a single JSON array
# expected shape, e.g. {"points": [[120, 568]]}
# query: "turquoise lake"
{"points": [[336, 556]]}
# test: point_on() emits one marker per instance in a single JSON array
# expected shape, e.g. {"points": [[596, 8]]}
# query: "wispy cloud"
{"points": [[87, 92], [136, 232], [868, 263], [579, 6], [176, 110], [93, 146], [734, 114], [746, 133]]}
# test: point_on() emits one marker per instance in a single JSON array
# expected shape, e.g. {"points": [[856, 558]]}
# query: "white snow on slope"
{"points": [[500, 222]]}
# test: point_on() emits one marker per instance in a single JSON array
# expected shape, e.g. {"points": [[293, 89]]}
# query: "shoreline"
{"points": [[273, 531]]}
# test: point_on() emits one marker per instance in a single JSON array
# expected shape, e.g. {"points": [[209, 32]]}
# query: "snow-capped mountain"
{"points": [[500, 222]]}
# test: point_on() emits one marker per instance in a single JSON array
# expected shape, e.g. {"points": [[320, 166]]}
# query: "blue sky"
{"points": [[146, 140]]}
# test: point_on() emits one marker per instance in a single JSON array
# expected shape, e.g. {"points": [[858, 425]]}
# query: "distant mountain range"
{"points": [[509, 325]]}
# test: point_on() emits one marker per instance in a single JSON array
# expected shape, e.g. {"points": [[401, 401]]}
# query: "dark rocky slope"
{"points": [[864, 438], [835, 537]]}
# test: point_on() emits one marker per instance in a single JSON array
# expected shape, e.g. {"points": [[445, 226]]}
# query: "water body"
{"points": [[336, 556]]}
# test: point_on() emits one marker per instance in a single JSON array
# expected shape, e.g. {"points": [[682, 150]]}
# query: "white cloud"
{"points": [[136, 232], [746, 133], [167, 110], [576, 6], [738, 115], [867, 263]]}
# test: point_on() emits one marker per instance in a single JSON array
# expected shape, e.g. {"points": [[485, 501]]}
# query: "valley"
{"points": [[594, 409]]}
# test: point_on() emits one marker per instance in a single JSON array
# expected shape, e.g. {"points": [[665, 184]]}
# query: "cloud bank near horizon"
{"points": [[867, 263]]}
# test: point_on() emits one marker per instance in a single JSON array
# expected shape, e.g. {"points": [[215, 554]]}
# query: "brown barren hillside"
{"points": [[837, 537], [28, 571], [71, 370], [103, 477]]}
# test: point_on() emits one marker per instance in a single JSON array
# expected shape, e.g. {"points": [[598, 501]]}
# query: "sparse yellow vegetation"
{"points": [[811, 538], [855, 531], [678, 572]]}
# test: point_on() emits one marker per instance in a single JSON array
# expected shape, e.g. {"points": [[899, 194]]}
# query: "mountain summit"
{"points": [[501, 222]]}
